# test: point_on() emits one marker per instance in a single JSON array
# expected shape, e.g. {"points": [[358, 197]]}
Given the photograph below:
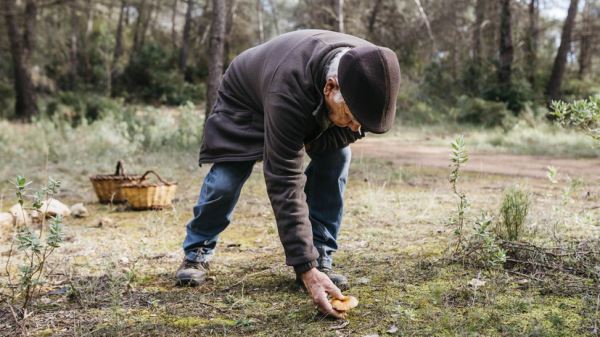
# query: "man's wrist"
{"points": [[304, 267]]}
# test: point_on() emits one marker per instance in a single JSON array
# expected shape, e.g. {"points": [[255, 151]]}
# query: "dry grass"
{"points": [[119, 280]]}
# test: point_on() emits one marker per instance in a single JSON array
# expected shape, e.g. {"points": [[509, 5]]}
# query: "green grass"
{"points": [[120, 278]]}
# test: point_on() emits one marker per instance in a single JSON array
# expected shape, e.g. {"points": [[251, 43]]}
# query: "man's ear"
{"points": [[330, 86]]}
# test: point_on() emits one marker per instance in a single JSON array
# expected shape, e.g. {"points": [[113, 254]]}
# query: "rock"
{"points": [[363, 280], [476, 283], [106, 222], [53, 207], [6, 220], [36, 217], [79, 211], [22, 218], [393, 329]]}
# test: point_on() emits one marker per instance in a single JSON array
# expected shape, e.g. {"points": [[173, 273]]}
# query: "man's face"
{"points": [[339, 113]]}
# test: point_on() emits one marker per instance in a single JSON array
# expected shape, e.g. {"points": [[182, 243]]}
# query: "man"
{"points": [[309, 90]]}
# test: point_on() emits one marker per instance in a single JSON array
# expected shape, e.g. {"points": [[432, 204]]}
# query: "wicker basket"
{"points": [[143, 195], [108, 186]]}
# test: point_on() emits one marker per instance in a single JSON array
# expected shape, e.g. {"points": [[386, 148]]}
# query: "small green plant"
{"points": [[35, 247], [458, 157], [483, 244], [581, 114], [513, 213]]}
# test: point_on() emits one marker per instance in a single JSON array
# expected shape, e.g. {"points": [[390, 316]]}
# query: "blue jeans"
{"points": [[326, 178]]}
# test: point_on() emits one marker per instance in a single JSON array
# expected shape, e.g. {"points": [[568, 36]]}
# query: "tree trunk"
{"points": [[73, 50], [138, 28], [506, 51], [560, 62], [586, 41], [479, 17], [275, 16], [373, 16], [531, 42], [259, 14], [173, 24], [340, 15], [185, 39], [25, 102], [229, 20], [118, 47], [215, 57]]}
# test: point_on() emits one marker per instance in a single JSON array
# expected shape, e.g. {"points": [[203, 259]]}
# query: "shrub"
{"points": [[513, 213], [481, 112], [581, 114], [151, 76]]}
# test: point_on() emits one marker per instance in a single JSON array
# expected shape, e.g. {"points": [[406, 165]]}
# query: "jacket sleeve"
{"points": [[333, 138], [285, 124]]}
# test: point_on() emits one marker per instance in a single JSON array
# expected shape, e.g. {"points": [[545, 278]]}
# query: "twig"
{"points": [[525, 275]]}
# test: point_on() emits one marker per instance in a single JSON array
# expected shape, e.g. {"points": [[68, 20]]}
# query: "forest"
{"points": [[476, 214]]}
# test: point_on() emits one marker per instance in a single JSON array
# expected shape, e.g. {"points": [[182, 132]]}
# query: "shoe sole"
{"points": [[188, 282]]}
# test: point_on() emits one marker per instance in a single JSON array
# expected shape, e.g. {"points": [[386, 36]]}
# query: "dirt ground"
{"points": [[401, 153], [118, 280]]}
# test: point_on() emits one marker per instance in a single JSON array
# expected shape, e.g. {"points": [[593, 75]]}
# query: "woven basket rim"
{"points": [[116, 177], [146, 184]]}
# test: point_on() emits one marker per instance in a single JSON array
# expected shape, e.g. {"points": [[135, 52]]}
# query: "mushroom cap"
{"points": [[345, 304]]}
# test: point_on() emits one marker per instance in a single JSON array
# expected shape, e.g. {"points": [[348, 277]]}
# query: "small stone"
{"points": [[79, 211], [53, 207], [124, 260], [476, 283], [373, 335], [36, 217], [363, 280], [6, 220], [105, 222], [22, 218], [393, 329]]}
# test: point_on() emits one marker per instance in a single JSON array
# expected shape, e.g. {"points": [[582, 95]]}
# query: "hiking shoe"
{"points": [[191, 273], [339, 280]]}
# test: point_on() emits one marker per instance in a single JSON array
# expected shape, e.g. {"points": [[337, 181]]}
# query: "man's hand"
{"points": [[318, 286]]}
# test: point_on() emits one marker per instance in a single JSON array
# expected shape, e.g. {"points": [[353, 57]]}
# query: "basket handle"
{"points": [[157, 176], [120, 171]]}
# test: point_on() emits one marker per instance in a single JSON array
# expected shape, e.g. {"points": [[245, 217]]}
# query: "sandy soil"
{"points": [[402, 153]]}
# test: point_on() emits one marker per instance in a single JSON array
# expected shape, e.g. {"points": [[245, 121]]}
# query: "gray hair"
{"points": [[332, 72]]}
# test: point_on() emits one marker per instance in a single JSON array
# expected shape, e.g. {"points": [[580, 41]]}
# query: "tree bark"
{"points": [[531, 42], [118, 46], [25, 98], [479, 17], [173, 24], [215, 57], [138, 28], [185, 39], [275, 16], [586, 41], [340, 15], [560, 61], [73, 61], [259, 15], [506, 50], [373, 16]]}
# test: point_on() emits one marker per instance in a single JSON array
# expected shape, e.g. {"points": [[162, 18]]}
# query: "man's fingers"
{"points": [[335, 292], [326, 308]]}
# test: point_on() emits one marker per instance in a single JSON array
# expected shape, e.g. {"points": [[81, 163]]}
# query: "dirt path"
{"points": [[402, 153]]}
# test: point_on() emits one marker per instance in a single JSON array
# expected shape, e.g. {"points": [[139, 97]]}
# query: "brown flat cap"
{"points": [[369, 79]]}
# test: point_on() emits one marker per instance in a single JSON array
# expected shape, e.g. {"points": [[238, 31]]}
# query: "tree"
{"points": [[215, 54], [588, 35], [21, 47], [185, 39], [506, 51], [560, 62], [479, 17], [531, 41]]}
